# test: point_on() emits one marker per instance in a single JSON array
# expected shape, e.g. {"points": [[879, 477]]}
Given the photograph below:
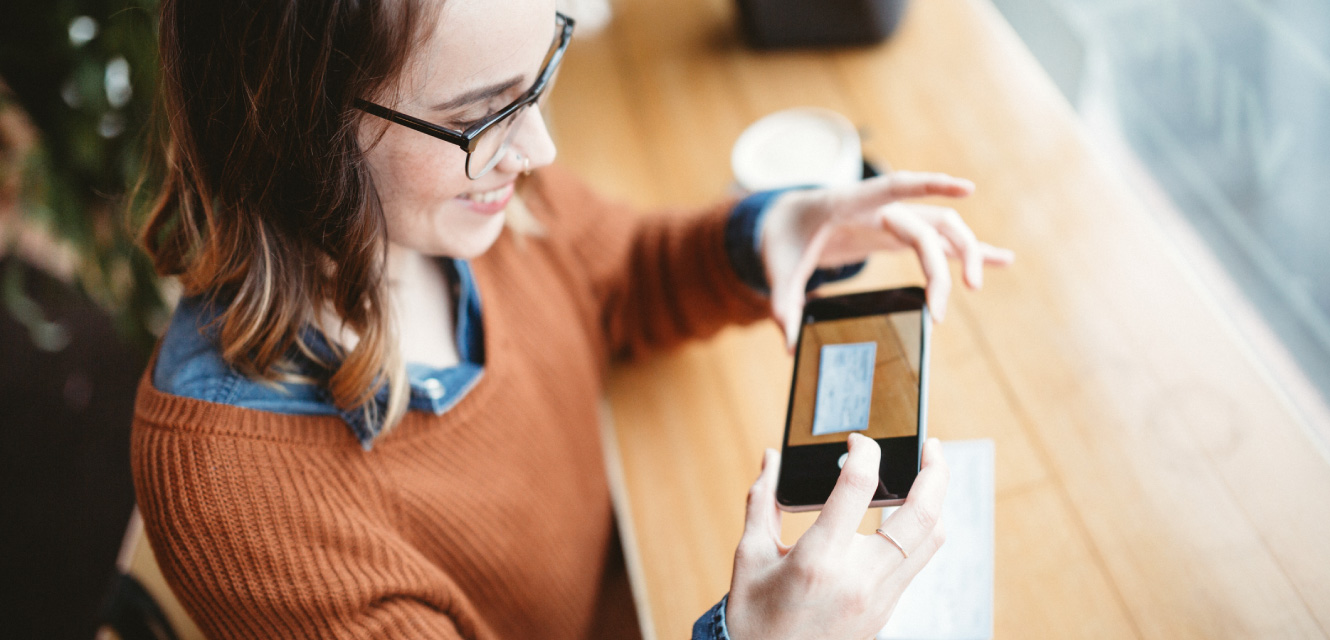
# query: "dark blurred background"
{"points": [[79, 303]]}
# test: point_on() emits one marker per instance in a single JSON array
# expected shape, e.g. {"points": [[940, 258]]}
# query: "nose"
{"points": [[531, 141]]}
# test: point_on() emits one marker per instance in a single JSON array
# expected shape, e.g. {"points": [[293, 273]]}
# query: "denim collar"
{"points": [[189, 364], [433, 390]]}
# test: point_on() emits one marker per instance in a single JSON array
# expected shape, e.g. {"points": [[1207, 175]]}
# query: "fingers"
{"points": [[899, 185], [962, 238], [961, 243], [915, 522], [761, 535], [854, 490], [928, 244], [997, 256]]}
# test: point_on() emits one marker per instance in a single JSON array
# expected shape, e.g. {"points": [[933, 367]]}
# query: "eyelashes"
{"points": [[491, 108]]}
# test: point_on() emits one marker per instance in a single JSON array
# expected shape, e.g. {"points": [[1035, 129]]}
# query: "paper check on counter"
{"points": [[952, 597]]}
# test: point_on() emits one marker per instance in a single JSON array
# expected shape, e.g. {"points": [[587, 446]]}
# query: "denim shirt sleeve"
{"points": [[743, 244], [711, 626]]}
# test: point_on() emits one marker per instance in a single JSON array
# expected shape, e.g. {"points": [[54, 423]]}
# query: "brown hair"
{"points": [[267, 205]]}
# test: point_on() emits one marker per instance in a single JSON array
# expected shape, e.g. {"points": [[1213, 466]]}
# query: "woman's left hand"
{"points": [[808, 229]]}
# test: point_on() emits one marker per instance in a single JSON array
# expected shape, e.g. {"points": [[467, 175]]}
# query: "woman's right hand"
{"points": [[833, 583]]}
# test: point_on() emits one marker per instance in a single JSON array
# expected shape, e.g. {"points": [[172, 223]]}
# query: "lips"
{"points": [[488, 202]]}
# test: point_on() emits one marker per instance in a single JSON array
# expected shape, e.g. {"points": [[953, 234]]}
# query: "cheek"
{"points": [[418, 179], [412, 170]]}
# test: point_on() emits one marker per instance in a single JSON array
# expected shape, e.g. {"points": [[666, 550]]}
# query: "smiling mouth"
{"points": [[488, 197]]}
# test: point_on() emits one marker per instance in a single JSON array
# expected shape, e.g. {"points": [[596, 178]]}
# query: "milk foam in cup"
{"points": [[796, 147]]}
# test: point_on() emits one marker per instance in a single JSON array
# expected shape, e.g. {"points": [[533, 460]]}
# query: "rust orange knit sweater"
{"points": [[490, 521]]}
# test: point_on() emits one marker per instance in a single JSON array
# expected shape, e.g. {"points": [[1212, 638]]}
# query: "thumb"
{"points": [[788, 296], [788, 309], [761, 537]]}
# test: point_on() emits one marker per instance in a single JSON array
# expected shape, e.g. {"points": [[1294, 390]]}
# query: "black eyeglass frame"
{"points": [[467, 140]]}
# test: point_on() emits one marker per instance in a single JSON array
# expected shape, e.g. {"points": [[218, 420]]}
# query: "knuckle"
{"points": [[926, 516], [859, 480], [939, 536], [812, 574], [930, 239], [743, 554], [856, 603], [926, 243]]}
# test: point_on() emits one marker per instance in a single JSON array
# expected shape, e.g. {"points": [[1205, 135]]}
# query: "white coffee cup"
{"points": [[796, 147]]}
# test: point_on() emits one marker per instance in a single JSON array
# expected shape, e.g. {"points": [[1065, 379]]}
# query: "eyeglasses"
{"points": [[487, 141]]}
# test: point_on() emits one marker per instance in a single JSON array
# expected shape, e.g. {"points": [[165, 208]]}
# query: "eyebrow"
{"points": [[476, 95]]}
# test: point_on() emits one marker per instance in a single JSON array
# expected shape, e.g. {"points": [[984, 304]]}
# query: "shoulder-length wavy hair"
{"points": [[267, 205]]}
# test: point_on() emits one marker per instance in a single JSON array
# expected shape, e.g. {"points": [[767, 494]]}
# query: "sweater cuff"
{"points": [[711, 626], [743, 238]]}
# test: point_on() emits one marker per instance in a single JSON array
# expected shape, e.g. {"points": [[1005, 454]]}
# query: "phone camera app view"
{"points": [[857, 375]]}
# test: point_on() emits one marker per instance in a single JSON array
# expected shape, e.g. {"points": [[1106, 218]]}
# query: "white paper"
{"points": [[844, 387], [952, 597]]}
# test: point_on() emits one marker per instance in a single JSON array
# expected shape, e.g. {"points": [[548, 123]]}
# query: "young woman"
{"points": [[374, 412]]}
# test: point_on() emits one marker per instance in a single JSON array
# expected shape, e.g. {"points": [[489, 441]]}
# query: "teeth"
{"points": [[488, 196]]}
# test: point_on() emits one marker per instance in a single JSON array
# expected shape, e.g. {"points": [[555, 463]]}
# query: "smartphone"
{"points": [[861, 365]]}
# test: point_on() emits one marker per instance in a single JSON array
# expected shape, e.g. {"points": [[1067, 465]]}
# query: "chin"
{"points": [[473, 243]]}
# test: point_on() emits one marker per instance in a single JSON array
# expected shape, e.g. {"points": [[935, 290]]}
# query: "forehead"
{"points": [[475, 43]]}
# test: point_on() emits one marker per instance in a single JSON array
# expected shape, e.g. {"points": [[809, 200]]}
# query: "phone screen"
{"points": [[862, 375]]}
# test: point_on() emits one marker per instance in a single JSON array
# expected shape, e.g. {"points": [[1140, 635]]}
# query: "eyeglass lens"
{"points": [[495, 141], [493, 144]]}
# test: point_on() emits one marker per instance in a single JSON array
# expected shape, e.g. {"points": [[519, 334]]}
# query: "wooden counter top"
{"points": [[1151, 482]]}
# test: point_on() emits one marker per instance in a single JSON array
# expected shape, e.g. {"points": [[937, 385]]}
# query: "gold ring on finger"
{"points": [[893, 542]]}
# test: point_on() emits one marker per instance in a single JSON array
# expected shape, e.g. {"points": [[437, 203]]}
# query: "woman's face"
{"points": [[487, 48]]}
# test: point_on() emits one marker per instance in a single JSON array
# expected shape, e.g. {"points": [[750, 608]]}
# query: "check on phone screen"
{"points": [[844, 387], [857, 374]]}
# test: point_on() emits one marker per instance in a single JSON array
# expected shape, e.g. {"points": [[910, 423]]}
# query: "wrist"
{"points": [[789, 216], [735, 627]]}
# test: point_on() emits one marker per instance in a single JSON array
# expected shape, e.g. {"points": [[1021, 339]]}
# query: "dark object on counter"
{"points": [[772, 24]]}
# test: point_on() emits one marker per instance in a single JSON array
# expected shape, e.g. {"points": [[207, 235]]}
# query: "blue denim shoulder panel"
{"points": [[189, 364]]}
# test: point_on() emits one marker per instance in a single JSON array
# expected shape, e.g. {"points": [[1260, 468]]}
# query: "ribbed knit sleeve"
{"points": [[657, 278], [290, 541]]}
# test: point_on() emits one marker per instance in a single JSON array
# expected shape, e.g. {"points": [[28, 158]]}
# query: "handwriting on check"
{"points": [[844, 387]]}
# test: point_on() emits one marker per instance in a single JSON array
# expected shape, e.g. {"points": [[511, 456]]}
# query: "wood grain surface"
{"points": [[1151, 482]]}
